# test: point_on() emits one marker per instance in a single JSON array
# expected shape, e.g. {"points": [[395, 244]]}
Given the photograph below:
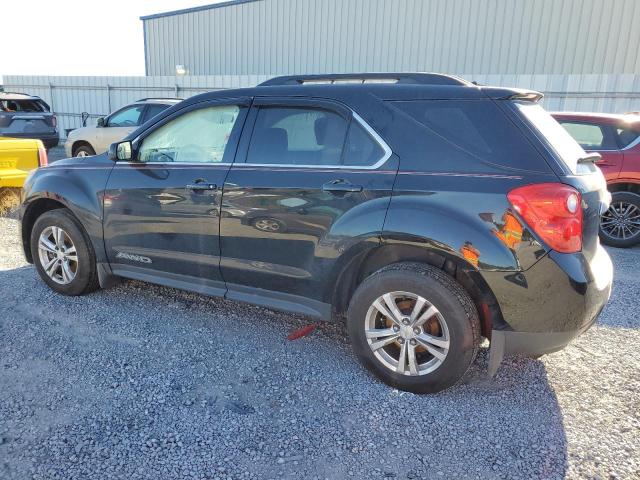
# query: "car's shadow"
{"points": [[136, 362]]}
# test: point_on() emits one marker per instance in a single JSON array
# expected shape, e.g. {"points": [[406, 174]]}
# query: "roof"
{"points": [[160, 100], [17, 96], [197, 9]]}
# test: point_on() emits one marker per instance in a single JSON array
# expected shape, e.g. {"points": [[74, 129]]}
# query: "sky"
{"points": [[77, 37]]}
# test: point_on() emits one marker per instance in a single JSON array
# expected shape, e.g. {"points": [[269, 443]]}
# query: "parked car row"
{"points": [[427, 211]]}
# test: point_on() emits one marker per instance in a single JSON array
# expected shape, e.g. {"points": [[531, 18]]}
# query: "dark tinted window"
{"points": [[465, 135], [297, 136], [591, 136], [23, 106], [626, 136], [361, 150], [153, 110]]}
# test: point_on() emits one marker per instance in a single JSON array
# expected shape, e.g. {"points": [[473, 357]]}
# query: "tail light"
{"points": [[54, 121], [553, 211], [43, 159]]}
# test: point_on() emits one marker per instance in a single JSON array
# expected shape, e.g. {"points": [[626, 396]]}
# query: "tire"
{"points": [[613, 235], [83, 151], [454, 308], [85, 275]]}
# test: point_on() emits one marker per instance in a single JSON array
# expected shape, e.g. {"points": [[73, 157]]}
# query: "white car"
{"points": [[94, 140]]}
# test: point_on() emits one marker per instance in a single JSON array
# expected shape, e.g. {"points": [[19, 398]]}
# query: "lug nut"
{"points": [[401, 341], [396, 328], [405, 321], [416, 331], [413, 342]]}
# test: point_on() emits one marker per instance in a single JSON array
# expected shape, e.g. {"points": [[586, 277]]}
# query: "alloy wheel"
{"points": [[406, 333], [621, 221], [58, 255]]}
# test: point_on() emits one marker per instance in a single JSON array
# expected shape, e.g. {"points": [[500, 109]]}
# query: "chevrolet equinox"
{"points": [[426, 211]]}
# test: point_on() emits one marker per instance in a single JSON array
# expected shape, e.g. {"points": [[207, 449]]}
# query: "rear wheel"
{"points": [[414, 327], [83, 151], [620, 224], [63, 254]]}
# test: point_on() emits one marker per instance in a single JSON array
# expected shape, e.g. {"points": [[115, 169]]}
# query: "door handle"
{"points": [[341, 186], [201, 186]]}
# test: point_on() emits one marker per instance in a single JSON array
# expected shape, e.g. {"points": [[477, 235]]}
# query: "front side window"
{"points": [[590, 136], [153, 110], [297, 136], [199, 136], [129, 117]]}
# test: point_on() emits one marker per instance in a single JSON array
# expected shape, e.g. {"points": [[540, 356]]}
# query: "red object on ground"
{"points": [[302, 332]]}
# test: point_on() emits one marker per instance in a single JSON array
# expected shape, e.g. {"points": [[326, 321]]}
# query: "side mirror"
{"points": [[100, 122], [120, 151]]}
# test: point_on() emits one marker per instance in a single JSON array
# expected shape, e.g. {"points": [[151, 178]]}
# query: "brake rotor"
{"points": [[431, 326]]}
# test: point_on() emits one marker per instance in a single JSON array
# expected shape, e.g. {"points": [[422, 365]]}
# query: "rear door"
{"points": [[161, 211], [311, 181]]}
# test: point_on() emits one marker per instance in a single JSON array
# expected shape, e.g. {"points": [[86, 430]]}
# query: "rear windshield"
{"points": [[558, 138], [468, 136], [23, 106]]}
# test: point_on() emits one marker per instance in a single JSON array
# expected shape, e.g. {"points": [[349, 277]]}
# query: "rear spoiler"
{"points": [[525, 95]]}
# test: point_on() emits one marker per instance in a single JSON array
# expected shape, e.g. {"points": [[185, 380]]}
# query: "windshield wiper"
{"points": [[590, 158]]}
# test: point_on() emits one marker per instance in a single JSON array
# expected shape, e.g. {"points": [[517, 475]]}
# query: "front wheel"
{"points": [[83, 151], [620, 225], [62, 253], [414, 327]]}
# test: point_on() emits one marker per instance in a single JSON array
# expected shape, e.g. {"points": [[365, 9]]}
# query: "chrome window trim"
{"points": [[378, 139], [199, 164]]}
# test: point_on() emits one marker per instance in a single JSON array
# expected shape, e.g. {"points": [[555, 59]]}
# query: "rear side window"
{"points": [[591, 136], [153, 110], [469, 136], [626, 136], [297, 136]]}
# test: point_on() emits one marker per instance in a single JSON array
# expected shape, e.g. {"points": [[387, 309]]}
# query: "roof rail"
{"points": [[159, 98], [355, 78]]}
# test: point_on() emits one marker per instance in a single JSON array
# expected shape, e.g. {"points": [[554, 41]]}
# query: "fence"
{"points": [[98, 96]]}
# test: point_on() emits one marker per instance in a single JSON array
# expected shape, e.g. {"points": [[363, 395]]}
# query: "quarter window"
{"points": [[129, 117], [199, 136]]}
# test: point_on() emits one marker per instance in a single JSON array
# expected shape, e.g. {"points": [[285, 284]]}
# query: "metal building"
{"points": [[465, 37]]}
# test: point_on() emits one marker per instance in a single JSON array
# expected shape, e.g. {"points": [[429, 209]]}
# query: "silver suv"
{"points": [[96, 139]]}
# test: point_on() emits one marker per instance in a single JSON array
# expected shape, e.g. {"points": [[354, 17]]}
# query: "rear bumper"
{"points": [[547, 306], [50, 140]]}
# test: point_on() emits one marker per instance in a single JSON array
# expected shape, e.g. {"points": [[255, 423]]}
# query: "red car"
{"points": [[617, 139]]}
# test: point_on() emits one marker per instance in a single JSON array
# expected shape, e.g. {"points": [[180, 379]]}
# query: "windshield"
{"points": [[564, 144]]}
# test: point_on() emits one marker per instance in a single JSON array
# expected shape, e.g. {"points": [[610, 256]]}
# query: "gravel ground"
{"points": [[141, 381]]}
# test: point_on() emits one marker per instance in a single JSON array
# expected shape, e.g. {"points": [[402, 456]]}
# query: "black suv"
{"points": [[426, 210], [27, 116]]}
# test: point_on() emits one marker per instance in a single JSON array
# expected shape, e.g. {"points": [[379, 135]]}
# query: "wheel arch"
{"points": [[81, 143], [366, 263], [31, 213], [623, 186]]}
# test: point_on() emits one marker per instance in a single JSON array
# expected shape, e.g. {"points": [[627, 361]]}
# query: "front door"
{"points": [[313, 182], [162, 210]]}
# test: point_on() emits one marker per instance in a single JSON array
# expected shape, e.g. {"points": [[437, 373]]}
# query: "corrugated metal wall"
{"points": [[70, 96], [461, 36]]}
